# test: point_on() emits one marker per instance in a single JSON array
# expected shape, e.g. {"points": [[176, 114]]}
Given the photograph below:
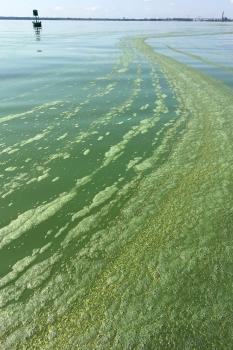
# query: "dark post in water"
{"points": [[36, 22]]}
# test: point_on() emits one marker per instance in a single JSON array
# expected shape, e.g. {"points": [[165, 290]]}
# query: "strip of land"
{"points": [[120, 19]]}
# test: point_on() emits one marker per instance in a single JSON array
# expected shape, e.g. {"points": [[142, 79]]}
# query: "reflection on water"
{"points": [[37, 33]]}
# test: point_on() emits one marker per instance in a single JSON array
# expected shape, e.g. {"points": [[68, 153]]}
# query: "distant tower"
{"points": [[36, 22], [224, 19]]}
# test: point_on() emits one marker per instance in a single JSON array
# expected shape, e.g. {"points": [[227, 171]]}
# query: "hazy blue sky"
{"points": [[118, 8]]}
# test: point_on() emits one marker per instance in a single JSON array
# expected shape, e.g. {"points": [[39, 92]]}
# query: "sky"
{"points": [[118, 8]]}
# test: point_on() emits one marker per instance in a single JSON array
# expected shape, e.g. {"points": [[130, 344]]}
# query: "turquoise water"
{"points": [[116, 185]]}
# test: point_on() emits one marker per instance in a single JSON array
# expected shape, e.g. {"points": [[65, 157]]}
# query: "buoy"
{"points": [[36, 22]]}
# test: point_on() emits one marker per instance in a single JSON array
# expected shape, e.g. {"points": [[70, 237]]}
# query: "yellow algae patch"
{"points": [[145, 107], [28, 113], [60, 155], [143, 165], [43, 177], [98, 200], [116, 151], [86, 152], [35, 138], [11, 169], [32, 218], [62, 137], [16, 269], [133, 162]]}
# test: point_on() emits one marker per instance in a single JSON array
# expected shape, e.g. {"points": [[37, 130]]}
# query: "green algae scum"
{"points": [[116, 158]]}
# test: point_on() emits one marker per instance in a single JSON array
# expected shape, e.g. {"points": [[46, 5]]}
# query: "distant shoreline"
{"points": [[120, 19]]}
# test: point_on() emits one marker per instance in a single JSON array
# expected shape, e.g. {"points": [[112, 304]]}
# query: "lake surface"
{"points": [[116, 171]]}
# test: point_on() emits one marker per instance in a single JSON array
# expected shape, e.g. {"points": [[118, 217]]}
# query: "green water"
{"points": [[116, 158]]}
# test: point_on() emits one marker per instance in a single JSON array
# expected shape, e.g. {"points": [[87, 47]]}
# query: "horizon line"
{"points": [[226, 19]]}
